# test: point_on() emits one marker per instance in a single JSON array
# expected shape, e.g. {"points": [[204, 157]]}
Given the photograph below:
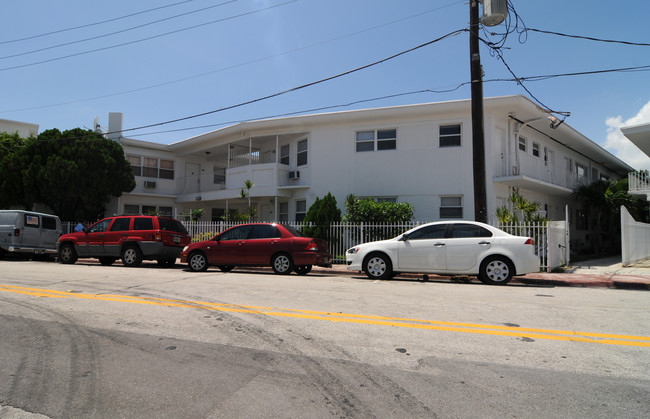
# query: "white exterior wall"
{"points": [[418, 171], [24, 129]]}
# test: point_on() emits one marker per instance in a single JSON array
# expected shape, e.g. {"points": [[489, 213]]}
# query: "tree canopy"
{"points": [[322, 213], [74, 172]]}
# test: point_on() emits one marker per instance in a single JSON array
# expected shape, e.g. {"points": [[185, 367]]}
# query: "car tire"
{"points": [[302, 269], [282, 264], [496, 270], [132, 256], [106, 261], [197, 262], [67, 254], [226, 268], [378, 266]]}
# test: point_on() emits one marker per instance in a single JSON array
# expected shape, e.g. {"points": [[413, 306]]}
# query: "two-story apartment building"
{"points": [[421, 154]]}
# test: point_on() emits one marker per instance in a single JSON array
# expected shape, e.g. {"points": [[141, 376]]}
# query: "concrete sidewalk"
{"points": [[607, 273]]}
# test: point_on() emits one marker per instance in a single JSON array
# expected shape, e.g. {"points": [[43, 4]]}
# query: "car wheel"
{"points": [[282, 264], [197, 262], [226, 268], [132, 256], [106, 261], [496, 270], [67, 254], [378, 266], [302, 269], [167, 262]]}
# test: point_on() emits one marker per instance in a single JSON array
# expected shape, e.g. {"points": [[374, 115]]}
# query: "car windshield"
{"points": [[293, 231], [171, 225]]}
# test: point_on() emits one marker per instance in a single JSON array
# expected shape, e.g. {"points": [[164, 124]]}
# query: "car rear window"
{"points": [[171, 225], [143, 224]]}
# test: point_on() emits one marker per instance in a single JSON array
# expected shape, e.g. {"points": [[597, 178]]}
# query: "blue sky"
{"points": [[156, 66]]}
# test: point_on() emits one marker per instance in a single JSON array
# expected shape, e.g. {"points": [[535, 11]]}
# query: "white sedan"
{"points": [[448, 248]]}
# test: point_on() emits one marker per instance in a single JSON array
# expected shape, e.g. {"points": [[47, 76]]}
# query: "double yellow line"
{"points": [[531, 333]]}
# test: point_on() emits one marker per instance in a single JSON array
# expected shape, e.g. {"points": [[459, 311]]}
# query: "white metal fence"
{"points": [[342, 236]]}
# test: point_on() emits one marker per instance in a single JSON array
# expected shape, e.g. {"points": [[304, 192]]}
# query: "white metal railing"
{"points": [[638, 182], [342, 236]]}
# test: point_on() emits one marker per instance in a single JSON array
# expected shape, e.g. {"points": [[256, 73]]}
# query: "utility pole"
{"points": [[478, 136]]}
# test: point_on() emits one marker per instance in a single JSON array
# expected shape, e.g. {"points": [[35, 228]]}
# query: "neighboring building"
{"points": [[639, 183], [421, 154], [24, 129]]}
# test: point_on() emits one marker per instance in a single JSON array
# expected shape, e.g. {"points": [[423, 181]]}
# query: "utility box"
{"points": [[494, 12]]}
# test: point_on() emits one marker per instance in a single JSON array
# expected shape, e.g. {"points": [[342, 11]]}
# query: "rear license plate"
{"points": [[177, 239]]}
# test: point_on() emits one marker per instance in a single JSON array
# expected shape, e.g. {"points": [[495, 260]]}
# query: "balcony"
{"points": [[270, 179], [638, 183], [535, 174]]}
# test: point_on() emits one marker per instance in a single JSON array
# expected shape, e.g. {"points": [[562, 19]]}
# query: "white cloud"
{"points": [[623, 148]]}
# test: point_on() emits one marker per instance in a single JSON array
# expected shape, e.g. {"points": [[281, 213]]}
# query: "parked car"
{"points": [[131, 238], [28, 232], [448, 248], [259, 244]]}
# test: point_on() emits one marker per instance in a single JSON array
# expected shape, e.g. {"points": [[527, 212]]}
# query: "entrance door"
{"points": [[192, 178]]}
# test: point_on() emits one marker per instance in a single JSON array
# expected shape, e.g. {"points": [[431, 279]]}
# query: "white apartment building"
{"points": [[24, 129], [420, 154]]}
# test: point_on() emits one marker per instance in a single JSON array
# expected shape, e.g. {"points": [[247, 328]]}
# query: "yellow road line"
{"points": [[496, 330]]}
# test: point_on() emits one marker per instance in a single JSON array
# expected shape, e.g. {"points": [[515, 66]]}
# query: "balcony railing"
{"points": [[536, 168], [638, 182]]}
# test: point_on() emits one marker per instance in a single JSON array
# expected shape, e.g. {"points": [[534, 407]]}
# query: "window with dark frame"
{"points": [[451, 207], [449, 135], [301, 154], [301, 210], [285, 154], [385, 139]]}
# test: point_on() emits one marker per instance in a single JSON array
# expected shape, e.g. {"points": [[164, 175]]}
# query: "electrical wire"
{"points": [[77, 41], [590, 38], [257, 60], [283, 92], [94, 23], [147, 38]]}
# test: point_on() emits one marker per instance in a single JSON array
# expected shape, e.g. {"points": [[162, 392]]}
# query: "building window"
{"points": [[284, 212], [535, 149], [131, 209], [301, 155], [522, 144], [166, 169], [219, 175], [218, 214], [284, 154], [594, 174], [449, 135], [301, 210], [149, 210], [386, 139], [150, 167], [451, 207], [581, 172], [166, 211], [136, 165]]}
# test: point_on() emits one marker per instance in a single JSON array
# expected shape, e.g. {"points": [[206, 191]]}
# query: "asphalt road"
{"points": [[93, 341]]}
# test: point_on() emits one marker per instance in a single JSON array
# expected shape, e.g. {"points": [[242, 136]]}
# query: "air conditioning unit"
{"points": [[149, 184], [294, 174]]}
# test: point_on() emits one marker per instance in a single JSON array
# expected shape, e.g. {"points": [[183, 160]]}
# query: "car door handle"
{"points": [[483, 242], [438, 245], [273, 242], [241, 244]]}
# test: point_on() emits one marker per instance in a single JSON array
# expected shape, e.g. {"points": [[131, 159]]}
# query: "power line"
{"points": [[117, 32], [590, 38], [260, 99], [147, 38], [372, 28], [94, 23]]}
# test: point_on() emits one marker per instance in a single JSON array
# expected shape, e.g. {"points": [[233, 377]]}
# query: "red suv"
{"points": [[131, 238]]}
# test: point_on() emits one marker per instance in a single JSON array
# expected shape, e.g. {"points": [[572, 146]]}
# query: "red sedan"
{"points": [[259, 244]]}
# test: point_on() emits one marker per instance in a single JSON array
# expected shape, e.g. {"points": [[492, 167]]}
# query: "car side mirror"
{"points": [[404, 238], [85, 230]]}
